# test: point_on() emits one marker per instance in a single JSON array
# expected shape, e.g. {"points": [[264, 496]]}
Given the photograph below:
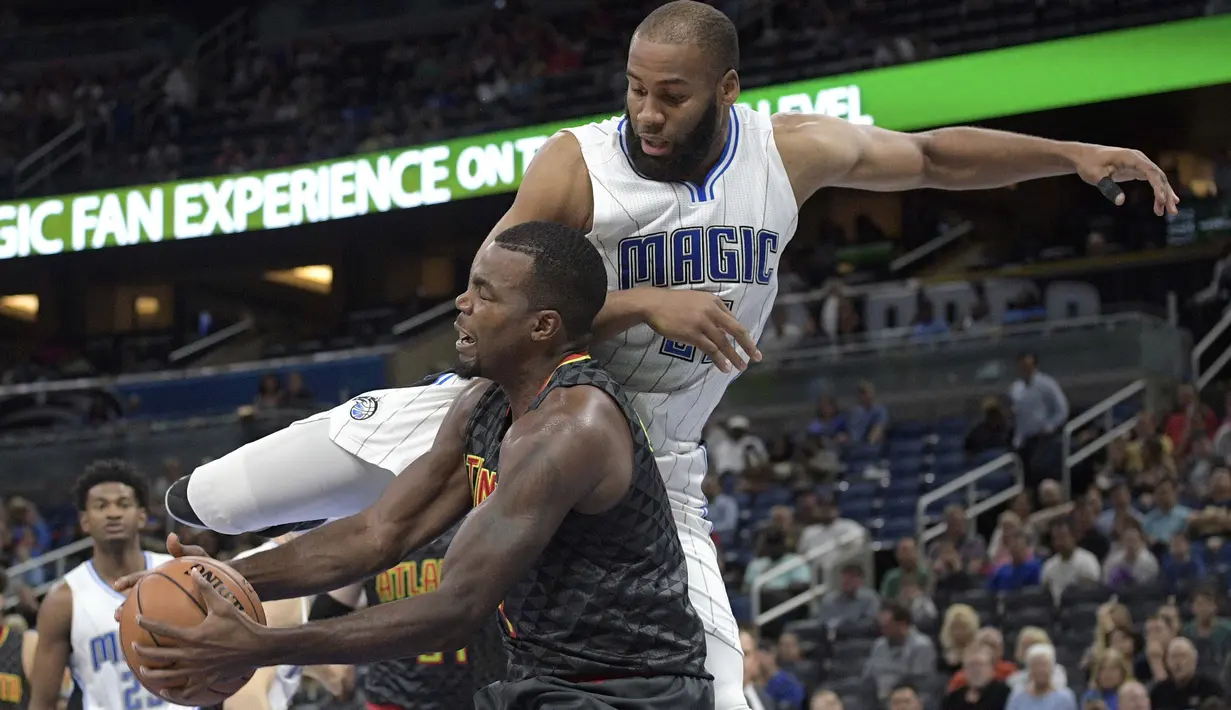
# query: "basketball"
{"points": [[169, 595]]}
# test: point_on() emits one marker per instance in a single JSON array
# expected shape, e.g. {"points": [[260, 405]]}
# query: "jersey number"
{"points": [[681, 351], [137, 697], [435, 659]]}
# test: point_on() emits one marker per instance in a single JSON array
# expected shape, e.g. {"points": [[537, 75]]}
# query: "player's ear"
{"points": [[548, 325], [728, 88], [143, 517], [84, 522]]}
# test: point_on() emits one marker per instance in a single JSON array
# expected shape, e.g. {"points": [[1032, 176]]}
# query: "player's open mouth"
{"points": [[655, 146], [464, 339]]}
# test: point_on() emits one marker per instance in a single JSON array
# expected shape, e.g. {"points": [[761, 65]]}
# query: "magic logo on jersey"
{"points": [[695, 255], [105, 651]]}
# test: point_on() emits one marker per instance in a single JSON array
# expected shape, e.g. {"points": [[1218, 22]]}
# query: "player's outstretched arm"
{"points": [[55, 623], [822, 151], [574, 453], [418, 506]]}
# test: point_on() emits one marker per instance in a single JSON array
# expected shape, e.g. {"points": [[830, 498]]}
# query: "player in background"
{"points": [[432, 681], [77, 629], [691, 199], [273, 687]]}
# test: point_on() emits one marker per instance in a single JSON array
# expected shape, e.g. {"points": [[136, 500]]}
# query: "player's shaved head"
{"points": [[568, 274], [690, 22]]}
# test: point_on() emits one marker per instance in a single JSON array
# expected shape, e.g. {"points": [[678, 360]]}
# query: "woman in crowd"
{"points": [[957, 633], [1040, 691]]}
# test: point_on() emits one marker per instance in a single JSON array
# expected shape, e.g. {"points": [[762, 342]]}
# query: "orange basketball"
{"points": [[169, 595]]}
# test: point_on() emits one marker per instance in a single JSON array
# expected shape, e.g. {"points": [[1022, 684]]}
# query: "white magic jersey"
{"points": [[97, 665], [286, 678], [724, 236]]}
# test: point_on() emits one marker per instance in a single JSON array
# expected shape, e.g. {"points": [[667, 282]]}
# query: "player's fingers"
{"points": [[737, 330], [706, 345], [1110, 189], [174, 548], [164, 675], [212, 597], [160, 629], [724, 343], [127, 582]]}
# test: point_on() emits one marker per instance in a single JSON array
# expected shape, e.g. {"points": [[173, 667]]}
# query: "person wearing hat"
{"points": [[736, 448]]}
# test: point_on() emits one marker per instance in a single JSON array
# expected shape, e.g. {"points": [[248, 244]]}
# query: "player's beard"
{"points": [[468, 369], [687, 156]]}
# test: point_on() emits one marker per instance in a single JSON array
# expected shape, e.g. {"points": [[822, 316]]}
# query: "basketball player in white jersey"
{"points": [[77, 628], [692, 200], [273, 687]]}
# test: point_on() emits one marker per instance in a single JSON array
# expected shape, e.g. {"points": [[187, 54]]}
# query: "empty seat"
{"points": [[906, 447]]}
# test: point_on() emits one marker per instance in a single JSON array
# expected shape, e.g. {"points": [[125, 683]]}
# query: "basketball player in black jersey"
{"points": [[16, 661], [573, 540], [428, 681]]}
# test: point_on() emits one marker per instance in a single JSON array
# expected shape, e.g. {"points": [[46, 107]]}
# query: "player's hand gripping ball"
{"points": [[170, 595]]}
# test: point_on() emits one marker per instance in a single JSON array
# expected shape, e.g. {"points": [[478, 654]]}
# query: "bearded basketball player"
{"points": [[690, 199]]}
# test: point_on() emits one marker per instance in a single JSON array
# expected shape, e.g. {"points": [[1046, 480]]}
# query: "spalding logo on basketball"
{"points": [[363, 408]]}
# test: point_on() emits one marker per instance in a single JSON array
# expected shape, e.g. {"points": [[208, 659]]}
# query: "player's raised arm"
{"points": [[55, 622], [822, 151], [418, 506], [573, 453]]}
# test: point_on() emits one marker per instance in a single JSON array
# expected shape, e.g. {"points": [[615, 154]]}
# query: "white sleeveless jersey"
{"points": [[97, 665], [724, 236], [286, 678]]}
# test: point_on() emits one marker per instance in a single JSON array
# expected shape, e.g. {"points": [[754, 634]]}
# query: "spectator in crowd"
{"points": [[791, 657], [773, 551], [1109, 671], [851, 603], [905, 697], [989, 637], [900, 655], [1040, 691], [754, 674], [1151, 665], [829, 424], [1021, 571], [1180, 565], [269, 393], [1028, 638], [1190, 417], [990, 432], [1132, 562], [869, 419], [1200, 465], [1085, 527], [782, 687], [735, 448], [1008, 526], [950, 575], [929, 325], [1207, 630], [908, 565], [781, 333], [1116, 465], [1133, 696], [922, 609], [825, 700], [1168, 517], [1040, 409], [1184, 688], [1110, 616], [970, 545], [1112, 520], [1145, 428], [957, 635], [981, 690], [1069, 564], [297, 393], [830, 529], [721, 510]]}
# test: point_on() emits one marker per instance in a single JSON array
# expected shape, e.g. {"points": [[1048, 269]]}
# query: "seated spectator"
{"points": [[734, 448], [1110, 521], [869, 419], [1180, 565], [907, 554], [905, 697], [830, 424], [1028, 638], [1110, 616], [721, 510], [772, 551], [969, 544], [990, 432], [990, 638], [754, 673], [982, 690], [922, 609], [791, 658], [1116, 465], [900, 655], [825, 700], [928, 324], [1039, 692], [1008, 526], [1145, 427], [1132, 562], [950, 575], [1109, 671], [851, 602], [1207, 629], [830, 529], [1184, 688], [1133, 696], [1190, 416], [297, 393], [1069, 565], [269, 393], [1020, 572], [782, 687], [1156, 465], [957, 635], [1125, 640], [1084, 528], [1200, 465]]}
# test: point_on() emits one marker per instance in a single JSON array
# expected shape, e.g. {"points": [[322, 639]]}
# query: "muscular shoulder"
{"points": [[587, 416], [815, 149], [556, 187], [55, 614]]}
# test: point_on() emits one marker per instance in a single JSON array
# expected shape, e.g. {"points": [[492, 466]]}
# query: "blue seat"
{"points": [[952, 426], [897, 528], [909, 429], [902, 485], [950, 463], [900, 508], [1124, 411], [996, 481], [938, 506], [860, 510], [984, 456], [906, 466], [950, 445], [859, 490], [741, 608], [776, 495], [863, 451], [906, 447]]}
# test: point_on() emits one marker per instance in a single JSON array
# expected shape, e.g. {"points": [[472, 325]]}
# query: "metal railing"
{"points": [[974, 506], [1201, 378], [59, 557], [211, 340], [1103, 408], [419, 320], [71, 143], [932, 246], [818, 588]]}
